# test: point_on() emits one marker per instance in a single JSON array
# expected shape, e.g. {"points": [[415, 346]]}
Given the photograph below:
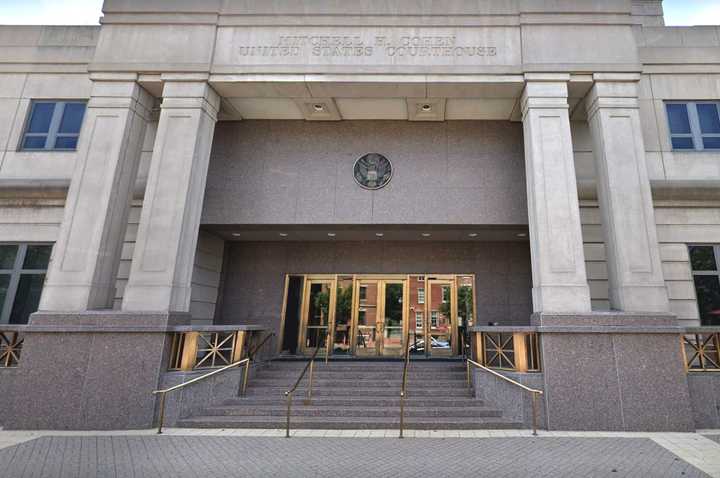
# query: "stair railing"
{"points": [[243, 385], [308, 399], [534, 392], [403, 386]]}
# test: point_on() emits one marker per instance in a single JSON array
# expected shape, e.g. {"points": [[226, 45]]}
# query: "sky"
{"points": [[87, 12]]}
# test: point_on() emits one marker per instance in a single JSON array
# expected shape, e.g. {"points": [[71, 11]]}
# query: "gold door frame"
{"points": [[380, 279], [331, 281], [382, 351]]}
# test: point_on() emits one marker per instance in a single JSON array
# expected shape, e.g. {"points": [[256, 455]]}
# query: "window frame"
{"points": [[696, 133], [16, 274], [434, 319], [421, 295], [420, 324], [53, 129], [693, 272]]}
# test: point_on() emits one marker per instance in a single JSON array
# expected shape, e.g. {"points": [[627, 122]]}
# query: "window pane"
{"points": [[37, 257], [709, 120], [41, 117], [34, 142], [711, 143], [708, 295], [682, 143], [702, 258], [679, 120], [7, 256], [72, 118], [27, 297], [4, 283], [66, 142]]}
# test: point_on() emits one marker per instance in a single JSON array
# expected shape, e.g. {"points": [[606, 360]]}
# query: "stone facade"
{"points": [[530, 146]]}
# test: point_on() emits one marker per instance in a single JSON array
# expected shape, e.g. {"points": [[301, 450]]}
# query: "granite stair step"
{"points": [[366, 412], [350, 423], [333, 401]]}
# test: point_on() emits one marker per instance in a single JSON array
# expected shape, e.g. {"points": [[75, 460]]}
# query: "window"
{"points": [[694, 125], [706, 275], [421, 296], [22, 274], [418, 320], [363, 292], [53, 125], [434, 318]]}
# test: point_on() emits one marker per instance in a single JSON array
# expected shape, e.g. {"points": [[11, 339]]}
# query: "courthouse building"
{"points": [[533, 185]]}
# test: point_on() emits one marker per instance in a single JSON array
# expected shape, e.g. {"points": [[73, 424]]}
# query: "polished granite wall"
{"points": [[301, 172], [254, 273]]}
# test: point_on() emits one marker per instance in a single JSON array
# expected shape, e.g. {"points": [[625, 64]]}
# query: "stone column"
{"points": [[86, 256], [626, 206], [163, 258], [556, 246]]}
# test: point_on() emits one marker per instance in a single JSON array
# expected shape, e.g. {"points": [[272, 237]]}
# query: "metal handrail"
{"points": [[533, 391], [403, 387], [162, 393], [289, 394]]}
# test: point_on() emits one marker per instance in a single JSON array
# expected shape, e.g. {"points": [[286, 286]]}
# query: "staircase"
{"points": [[356, 395]]}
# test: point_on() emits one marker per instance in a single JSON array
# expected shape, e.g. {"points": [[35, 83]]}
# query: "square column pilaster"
{"points": [[86, 256], [161, 271], [626, 206], [556, 246]]}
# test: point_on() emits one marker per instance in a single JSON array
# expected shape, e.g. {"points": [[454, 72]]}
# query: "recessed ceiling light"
{"points": [[236, 234], [522, 234], [283, 234], [426, 107], [319, 107], [426, 234], [379, 234], [331, 234], [473, 234]]}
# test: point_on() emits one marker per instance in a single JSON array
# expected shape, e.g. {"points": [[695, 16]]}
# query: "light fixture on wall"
{"points": [[522, 234], [236, 234], [426, 108], [473, 234], [283, 234], [331, 234], [319, 107], [426, 234], [379, 234]]}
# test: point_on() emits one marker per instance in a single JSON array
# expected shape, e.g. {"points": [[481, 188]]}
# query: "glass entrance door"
{"points": [[367, 330], [394, 323], [441, 314], [317, 308]]}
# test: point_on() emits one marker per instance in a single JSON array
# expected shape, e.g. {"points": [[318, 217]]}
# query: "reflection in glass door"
{"points": [[342, 337], [317, 305], [393, 325], [366, 311], [441, 310]]}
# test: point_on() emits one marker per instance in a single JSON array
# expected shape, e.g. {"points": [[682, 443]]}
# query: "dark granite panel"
{"points": [[90, 380], [255, 273], [704, 390], [456, 172], [581, 384], [515, 402], [653, 383]]}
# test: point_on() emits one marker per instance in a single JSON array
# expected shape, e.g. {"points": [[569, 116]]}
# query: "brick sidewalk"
{"points": [[222, 456]]}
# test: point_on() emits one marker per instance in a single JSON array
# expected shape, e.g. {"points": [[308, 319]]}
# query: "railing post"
{"points": [[161, 417], [246, 371], [189, 351], [479, 356], [402, 413], [467, 372], [287, 420], [308, 400], [534, 412], [239, 348], [327, 347], [520, 352]]}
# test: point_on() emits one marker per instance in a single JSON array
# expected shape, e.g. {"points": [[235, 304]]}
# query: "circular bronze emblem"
{"points": [[373, 171]]}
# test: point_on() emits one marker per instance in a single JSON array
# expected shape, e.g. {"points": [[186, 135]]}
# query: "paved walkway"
{"points": [[260, 453]]}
